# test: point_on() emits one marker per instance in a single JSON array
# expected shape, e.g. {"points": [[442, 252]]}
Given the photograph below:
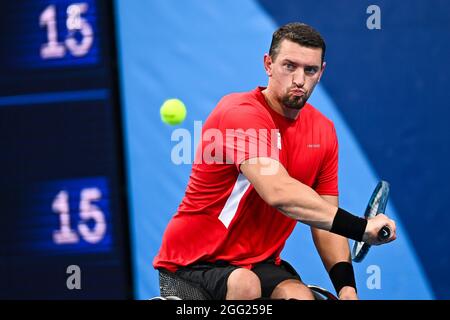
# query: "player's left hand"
{"points": [[348, 293]]}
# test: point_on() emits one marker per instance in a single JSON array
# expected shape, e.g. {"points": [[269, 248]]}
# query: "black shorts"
{"points": [[213, 277]]}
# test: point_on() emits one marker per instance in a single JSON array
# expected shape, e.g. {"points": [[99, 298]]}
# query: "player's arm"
{"points": [[298, 201], [335, 252]]}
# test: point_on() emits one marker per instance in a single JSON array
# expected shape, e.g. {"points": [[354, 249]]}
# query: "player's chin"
{"points": [[294, 103]]}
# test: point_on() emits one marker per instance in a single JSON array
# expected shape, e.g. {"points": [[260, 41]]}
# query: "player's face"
{"points": [[294, 73]]}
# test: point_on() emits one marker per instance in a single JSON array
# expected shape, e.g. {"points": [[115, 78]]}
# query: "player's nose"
{"points": [[299, 78]]}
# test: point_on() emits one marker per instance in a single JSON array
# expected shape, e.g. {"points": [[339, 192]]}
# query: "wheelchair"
{"points": [[172, 287]]}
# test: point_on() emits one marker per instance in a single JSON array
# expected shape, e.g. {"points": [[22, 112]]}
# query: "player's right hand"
{"points": [[374, 225]]}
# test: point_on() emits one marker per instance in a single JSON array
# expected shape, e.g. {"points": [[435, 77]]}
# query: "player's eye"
{"points": [[289, 66], [311, 70]]}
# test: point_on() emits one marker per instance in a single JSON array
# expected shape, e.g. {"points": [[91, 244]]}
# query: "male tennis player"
{"points": [[272, 161]]}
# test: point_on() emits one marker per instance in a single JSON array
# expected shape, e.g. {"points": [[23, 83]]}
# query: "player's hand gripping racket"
{"points": [[377, 204]]}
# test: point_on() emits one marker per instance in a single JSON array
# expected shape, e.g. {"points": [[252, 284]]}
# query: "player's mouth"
{"points": [[298, 92]]}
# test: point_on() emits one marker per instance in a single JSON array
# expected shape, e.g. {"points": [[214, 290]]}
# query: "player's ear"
{"points": [[322, 70], [268, 64]]}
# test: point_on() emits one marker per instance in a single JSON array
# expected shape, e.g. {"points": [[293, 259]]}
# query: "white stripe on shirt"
{"points": [[229, 210]]}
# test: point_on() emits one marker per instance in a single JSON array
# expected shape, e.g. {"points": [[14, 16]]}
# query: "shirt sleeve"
{"points": [[249, 134], [327, 181]]}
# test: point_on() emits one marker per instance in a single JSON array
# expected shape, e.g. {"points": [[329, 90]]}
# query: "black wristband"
{"points": [[348, 225], [342, 275]]}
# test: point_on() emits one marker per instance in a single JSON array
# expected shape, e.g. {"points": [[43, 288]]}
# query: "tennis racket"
{"points": [[321, 293], [377, 204]]}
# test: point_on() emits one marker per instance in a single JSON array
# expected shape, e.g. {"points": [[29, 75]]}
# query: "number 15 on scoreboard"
{"points": [[69, 216], [80, 34]]}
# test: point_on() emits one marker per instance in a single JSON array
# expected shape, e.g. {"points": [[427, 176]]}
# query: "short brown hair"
{"points": [[300, 33]]}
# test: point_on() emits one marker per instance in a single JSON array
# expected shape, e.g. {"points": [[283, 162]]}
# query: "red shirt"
{"points": [[221, 216]]}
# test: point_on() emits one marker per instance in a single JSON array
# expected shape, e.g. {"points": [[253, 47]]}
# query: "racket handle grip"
{"points": [[384, 233]]}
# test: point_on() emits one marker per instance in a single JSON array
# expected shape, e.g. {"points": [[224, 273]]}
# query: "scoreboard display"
{"points": [[64, 224]]}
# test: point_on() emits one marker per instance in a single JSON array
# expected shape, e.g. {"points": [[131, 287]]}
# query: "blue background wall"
{"points": [[386, 91]]}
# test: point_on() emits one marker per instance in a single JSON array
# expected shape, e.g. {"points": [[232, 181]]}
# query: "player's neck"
{"points": [[278, 107]]}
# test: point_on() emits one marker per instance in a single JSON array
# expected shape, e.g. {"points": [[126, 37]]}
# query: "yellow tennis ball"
{"points": [[173, 111]]}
